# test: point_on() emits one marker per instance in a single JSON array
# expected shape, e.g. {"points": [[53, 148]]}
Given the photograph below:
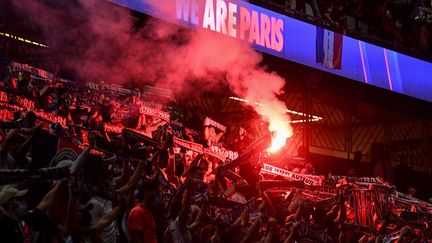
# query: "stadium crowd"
{"points": [[402, 23], [98, 162]]}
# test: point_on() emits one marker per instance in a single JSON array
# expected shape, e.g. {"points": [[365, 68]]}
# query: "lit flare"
{"points": [[281, 129]]}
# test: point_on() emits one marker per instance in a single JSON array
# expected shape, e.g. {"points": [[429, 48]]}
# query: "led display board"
{"points": [[297, 41]]}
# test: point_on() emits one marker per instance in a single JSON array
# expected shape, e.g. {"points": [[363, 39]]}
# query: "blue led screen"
{"points": [[297, 41]]}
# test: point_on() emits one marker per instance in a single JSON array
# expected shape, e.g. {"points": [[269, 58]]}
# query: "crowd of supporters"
{"points": [[97, 162], [402, 24]]}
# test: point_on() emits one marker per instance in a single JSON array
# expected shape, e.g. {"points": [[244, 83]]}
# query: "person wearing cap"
{"points": [[12, 227]]}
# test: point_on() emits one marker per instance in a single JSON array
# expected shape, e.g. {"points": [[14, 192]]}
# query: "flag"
{"points": [[329, 48]]}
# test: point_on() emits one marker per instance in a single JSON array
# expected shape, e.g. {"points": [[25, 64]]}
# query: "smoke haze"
{"points": [[100, 41]]}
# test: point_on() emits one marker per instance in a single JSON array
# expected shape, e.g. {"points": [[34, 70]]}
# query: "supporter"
{"points": [[183, 192], [80, 115], [12, 228], [241, 140], [181, 225], [211, 135], [300, 6], [141, 223], [20, 224], [336, 15], [49, 103], [101, 206], [134, 119], [12, 148]]}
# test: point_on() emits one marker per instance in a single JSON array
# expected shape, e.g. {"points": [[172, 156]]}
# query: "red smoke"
{"points": [[98, 40]]}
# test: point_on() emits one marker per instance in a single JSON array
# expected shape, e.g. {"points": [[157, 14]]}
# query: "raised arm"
{"points": [[253, 230], [106, 219], [133, 181], [199, 219], [272, 233], [185, 203], [122, 179]]}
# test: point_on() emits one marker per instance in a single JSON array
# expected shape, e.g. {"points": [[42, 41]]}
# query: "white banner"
{"points": [[307, 179], [163, 115], [210, 122], [228, 154], [19, 67], [189, 145]]}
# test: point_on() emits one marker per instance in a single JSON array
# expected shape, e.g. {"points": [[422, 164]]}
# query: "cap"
{"points": [[10, 192]]}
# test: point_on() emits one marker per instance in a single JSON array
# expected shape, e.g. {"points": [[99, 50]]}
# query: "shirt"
{"points": [[100, 208], [141, 220]]}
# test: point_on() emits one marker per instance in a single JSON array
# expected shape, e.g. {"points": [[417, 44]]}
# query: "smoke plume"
{"points": [[101, 41]]}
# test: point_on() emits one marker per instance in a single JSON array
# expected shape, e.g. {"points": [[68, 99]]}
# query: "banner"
{"points": [[331, 190], [115, 88], [408, 200], [178, 126], [21, 101], [149, 111], [49, 117], [199, 148], [137, 135], [325, 203], [151, 92], [307, 231], [24, 102], [229, 216], [329, 48], [215, 154], [30, 105], [120, 89], [19, 67], [110, 128], [6, 115], [279, 185], [307, 179], [152, 105], [371, 180], [4, 97], [189, 145], [317, 194], [210, 122], [227, 154], [11, 107]]}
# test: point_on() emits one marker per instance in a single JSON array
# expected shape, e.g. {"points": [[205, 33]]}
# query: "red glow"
{"points": [[274, 111], [281, 131]]}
